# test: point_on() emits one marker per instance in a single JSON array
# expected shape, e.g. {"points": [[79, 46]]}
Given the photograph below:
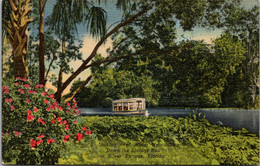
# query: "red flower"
{"points": [[67, 136], [41, 121], [17, 133], [44, 93], [51, 140], [75, 121], [18, 78], [21, 91], [24, 79], [5, 89], [67, 127], [28, 101], [48, 109], [67, 111], [79, 136], [59, 119], [29, 112], [60, 122], [68, 104], [40, 136], [26, 85], [12, 107], [30, 117], [32, 92], [35, 109], [39, 142], [9, 100], [33, 143], [39, 86], [65, 122], [53, 121], [52, 106], [17, 83], [46, 101], [52, 96], [54, 115], [84, 128], [88, 132], [60, 108]]}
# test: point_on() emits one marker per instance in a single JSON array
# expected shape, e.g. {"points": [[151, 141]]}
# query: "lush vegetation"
{"points": [[147, 59], [191, 75], [179, 72], [35, 128], [163, 140]]}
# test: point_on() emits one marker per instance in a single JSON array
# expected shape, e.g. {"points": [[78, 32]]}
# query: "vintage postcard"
{"points": [[130, 82]]}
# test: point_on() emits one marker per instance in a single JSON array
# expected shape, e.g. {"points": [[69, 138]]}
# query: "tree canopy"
{"points": [[147, 58]]}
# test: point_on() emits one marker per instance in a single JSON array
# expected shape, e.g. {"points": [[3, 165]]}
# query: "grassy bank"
{"points": [[162, 140]]}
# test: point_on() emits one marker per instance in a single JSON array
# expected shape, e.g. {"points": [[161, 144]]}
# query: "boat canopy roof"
{"points": [[128, 100]]}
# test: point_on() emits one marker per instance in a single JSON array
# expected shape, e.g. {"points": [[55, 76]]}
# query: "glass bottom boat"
{"points": [[131, 106]]}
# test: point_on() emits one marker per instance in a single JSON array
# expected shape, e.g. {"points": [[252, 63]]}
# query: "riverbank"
{"points": [[162, 140]]}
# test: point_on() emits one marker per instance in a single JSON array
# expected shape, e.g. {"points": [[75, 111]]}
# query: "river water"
{"points": [[234, 118]]}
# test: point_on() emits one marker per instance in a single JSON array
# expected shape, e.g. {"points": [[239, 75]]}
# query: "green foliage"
{"points": [[193, 73], [109, 84], [35, 128], [67, 15], [183, 141], [54, 57]]}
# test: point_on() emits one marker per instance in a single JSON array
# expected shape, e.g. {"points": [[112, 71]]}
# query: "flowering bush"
{"points": [[35, 127]]}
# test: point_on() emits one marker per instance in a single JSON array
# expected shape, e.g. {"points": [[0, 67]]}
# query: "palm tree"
{"points": [[16, 28], [67, 14]]}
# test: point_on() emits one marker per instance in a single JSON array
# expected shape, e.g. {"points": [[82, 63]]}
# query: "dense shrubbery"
{"points": [[189, 140], [34, 126]]}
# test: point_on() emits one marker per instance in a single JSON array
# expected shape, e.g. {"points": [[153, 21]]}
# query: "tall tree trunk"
{"points": [[61, 72], [18, 38], [92, 55], [41, 32]]}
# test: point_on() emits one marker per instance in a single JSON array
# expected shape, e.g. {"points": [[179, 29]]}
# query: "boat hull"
{"points": [[138, 112]]}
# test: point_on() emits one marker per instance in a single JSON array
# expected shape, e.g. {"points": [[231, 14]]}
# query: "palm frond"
{"points": [[96, 24], [67, 14]]}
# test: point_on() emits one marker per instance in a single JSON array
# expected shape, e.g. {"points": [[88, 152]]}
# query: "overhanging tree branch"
{"points": [[82, 67], [104, 61], [111, 60], [79, 88]]}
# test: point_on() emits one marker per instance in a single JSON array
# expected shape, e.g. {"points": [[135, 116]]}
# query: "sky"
{"points": [[115, 15]]}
